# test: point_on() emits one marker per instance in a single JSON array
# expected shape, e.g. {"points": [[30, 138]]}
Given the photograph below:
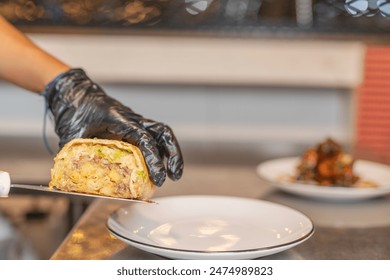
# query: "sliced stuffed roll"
{"points": [[101, 167]]}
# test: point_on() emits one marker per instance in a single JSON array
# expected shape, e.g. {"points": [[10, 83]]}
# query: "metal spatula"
{"points": [[59, 192]]}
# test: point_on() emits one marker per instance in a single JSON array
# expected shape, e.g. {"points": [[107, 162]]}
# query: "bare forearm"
{"points": [[23, 63]]}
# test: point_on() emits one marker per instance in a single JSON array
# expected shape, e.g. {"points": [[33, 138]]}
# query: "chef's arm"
{"points": [[81, 108], [23, 63]]}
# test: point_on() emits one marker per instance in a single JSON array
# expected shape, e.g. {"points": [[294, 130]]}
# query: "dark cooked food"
{"points": [[327, 164]]}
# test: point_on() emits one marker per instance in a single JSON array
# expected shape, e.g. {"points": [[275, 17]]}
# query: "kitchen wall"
{"points": [[208, 113], [228, 100]]}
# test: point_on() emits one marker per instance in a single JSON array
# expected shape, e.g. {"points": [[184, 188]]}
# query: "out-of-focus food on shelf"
{"points": [[196, 17], [327, 164], [102, 167]]}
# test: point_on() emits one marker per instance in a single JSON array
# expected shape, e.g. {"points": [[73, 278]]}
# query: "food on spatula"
{"points": [[101, 167], [327, 164]]}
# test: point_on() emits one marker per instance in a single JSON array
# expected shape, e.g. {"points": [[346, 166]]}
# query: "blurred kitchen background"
{"points": [[239, 81]]}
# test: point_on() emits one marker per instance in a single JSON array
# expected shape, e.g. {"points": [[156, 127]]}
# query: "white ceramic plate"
{"points": [[210, 227], [273, 170]]}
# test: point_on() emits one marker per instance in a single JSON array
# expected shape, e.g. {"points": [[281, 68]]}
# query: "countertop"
{"points": [[343, 230]]}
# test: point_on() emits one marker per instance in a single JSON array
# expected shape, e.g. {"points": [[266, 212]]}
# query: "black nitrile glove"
{"points": [[81, 109]]}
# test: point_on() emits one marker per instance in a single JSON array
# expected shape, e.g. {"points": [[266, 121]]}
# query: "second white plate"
{"points": [[274, 170], [210, 227]]}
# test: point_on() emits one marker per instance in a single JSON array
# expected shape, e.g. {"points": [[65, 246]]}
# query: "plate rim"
{"points": [[261, 249]]}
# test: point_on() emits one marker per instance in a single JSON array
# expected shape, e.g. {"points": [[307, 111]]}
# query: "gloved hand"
{"points": [[81, 109]]}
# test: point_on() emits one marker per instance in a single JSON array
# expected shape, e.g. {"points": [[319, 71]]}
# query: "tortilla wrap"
{"points": [[102, 167]]}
